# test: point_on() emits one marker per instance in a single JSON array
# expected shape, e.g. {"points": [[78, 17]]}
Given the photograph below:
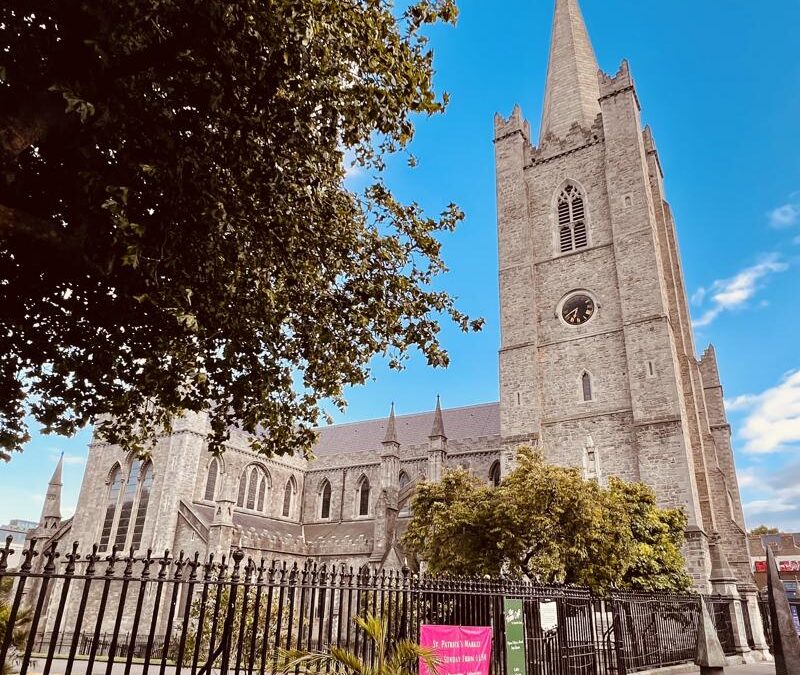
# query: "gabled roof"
{"points": [[472, 421]]}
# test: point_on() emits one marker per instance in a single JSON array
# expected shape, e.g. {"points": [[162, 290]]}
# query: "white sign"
{"points": [[548, 615]]}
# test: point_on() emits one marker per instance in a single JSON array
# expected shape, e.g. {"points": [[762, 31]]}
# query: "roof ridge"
{"points": [[414, 414]]}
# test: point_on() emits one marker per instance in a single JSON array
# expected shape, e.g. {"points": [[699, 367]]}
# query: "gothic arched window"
{"points": [[115, 485], [211, 481], [363, 497], [586, 386], [571, 212], [325, 499], [404, 479], [494, 474], [126, 509], [288, 496], [253, 488], [146, 484]]}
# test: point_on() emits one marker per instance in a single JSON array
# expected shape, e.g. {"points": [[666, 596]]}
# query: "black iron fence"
{"points": [[180, 615], [794, 607]]}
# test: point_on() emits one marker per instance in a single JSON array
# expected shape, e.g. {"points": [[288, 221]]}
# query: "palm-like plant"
{"points": [[399, 659]]}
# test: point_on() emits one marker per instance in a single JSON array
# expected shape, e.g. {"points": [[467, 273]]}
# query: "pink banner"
{"points": [[462, 650]]}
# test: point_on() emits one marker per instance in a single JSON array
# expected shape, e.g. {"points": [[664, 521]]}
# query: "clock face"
{"points": [[578, 309]]}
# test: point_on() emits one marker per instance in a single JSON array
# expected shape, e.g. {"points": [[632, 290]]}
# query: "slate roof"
{"points": [[460, 424]]}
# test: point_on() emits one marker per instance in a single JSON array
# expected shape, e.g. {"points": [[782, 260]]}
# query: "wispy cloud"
{"points": [[772, 422], [68, 459], [785, 216], [775, 496], [733, 293]]}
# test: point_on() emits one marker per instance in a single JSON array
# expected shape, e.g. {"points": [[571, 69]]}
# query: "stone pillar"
{"points": [[220, 532], [723, 583], [749, 595]]}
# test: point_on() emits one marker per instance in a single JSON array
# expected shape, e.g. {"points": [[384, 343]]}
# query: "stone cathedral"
{"points": [[597, 367]]}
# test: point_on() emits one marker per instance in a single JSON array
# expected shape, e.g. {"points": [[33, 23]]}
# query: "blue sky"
{"points": [[719, 82]]}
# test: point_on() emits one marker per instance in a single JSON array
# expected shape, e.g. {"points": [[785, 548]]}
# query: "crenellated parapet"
{"points": [[613, 85], [577, 138], [515, 124]]}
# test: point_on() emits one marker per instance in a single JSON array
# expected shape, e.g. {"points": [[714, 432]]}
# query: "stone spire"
{"points": [[391, 429], [51, 511], [572, 90], [437, 431]]}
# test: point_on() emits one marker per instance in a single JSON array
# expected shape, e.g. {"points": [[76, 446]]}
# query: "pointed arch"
{"points": [[254, 487], [212, 476], [404, 479], [289, 492], [362, 496], [126, 507], [570, 216], [587, 392], [325, 491], [114, 483], [495, 475], [145, 486]]}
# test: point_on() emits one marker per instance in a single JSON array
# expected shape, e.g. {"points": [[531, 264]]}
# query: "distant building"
{"points": [[18, 531], [786, 547]]}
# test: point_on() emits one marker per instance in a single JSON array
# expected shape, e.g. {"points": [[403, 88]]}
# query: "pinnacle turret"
{"points": [[391, 429], [51, 511], [572, 90], [437, 431]]}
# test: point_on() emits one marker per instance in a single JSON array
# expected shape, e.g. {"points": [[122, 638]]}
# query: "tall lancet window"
{"points": [[146, 484], [586, 386], [288, 496], [211, 481], [115, 485], [325, 500], [128, 497], [572, 233], [363, 497]]}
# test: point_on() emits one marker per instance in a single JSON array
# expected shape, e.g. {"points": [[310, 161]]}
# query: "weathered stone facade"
{"points": [[619, 392]]}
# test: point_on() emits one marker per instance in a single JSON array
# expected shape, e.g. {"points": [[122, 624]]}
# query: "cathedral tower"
{"points": [[597, 358]]}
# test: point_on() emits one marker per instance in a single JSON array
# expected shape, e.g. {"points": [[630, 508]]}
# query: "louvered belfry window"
{"points": [[572, 234]]}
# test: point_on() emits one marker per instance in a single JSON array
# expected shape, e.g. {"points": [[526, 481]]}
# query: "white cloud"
{"points": [[785, 216], [775, 496], [733, 293], [772, 423]]}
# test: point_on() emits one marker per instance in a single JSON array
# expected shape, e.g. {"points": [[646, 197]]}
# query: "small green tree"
{"points": [[763, 529], [548, 524], [21, 623], [399, 658]]}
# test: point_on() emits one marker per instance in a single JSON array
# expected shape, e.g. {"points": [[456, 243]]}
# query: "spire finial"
{"points": [[51, 511], [572, 90], [437, 431], [391, 428]]}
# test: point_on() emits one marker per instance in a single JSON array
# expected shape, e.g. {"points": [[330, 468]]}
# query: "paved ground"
{"points": [[753, 669]]}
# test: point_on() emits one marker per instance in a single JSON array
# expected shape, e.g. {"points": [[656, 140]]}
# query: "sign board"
{"points": [[783, 565], [463, 650], [515, 636], [548, 615]]}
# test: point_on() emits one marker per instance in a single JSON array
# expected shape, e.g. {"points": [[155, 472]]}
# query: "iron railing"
{"points": [[181, 615]]}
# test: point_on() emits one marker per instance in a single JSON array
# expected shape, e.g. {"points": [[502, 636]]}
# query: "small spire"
{"points": [[438, 421], [51, 511], [572, 92], [391, 428]]}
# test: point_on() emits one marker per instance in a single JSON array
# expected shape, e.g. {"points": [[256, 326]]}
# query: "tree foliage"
{"points": [[401, 657], [763, 529], [175, 230], [19, 632], [549, 525]]}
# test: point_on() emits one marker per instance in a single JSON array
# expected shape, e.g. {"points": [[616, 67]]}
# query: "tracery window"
{"points": [[115, 485], [254, 486], [211, 481], [404, 479], [363, 497], [571, 211], [325, 499], [126, 505], [288, 496]]}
